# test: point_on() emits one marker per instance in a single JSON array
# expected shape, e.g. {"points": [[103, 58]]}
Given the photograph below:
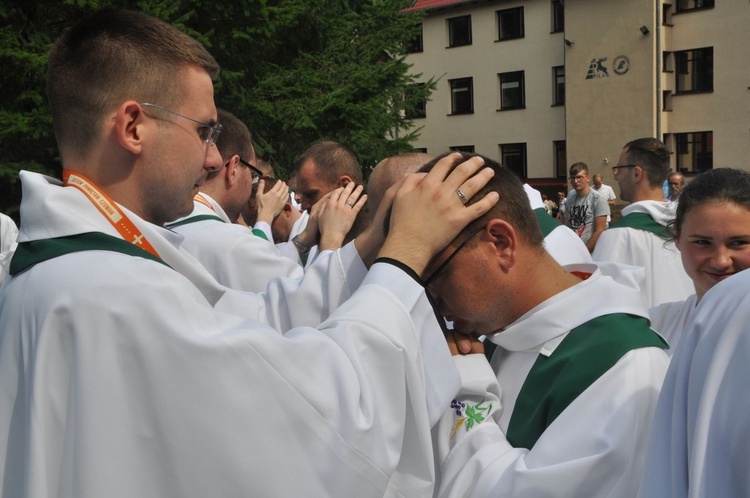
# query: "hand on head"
{"points": [[338, 213], [272, 202], [428, 213]]}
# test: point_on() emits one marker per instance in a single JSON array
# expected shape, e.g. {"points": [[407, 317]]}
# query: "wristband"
{"points": [[301, 248]]}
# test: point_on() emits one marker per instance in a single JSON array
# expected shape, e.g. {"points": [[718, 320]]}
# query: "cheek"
{"points": [[691, 259], [742, 260]]}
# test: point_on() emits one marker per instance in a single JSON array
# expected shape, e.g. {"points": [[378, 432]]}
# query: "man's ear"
{"points": [[232, 170], [131, 126], [505, 240], [344, 180], [639, 173]]}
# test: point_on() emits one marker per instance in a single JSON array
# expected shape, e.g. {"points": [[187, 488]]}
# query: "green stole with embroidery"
{"points": [[586, 353]]}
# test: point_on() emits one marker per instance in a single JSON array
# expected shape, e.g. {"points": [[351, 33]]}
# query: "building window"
{"points": [[513, 157], [420, 149], [415, 44], [512, 94], [510, 24], [462, 96], [561, 159], [695, 151], [558, 85], [695, 70], [415, 101], [558, 16], [688, 5], [462, 148], [459, 31]]}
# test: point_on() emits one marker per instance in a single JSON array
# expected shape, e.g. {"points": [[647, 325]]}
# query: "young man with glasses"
{"points": [[587, 210], [642, 237], [127, 370], [564, 406], [235, 255]]}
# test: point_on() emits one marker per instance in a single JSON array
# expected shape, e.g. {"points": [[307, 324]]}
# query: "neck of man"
{"points": [[549, 280], [584, 191], [223, 199], [647, 193]]}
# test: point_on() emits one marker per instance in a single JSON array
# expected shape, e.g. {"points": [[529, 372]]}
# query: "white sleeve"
{"points": [[229, 403]]}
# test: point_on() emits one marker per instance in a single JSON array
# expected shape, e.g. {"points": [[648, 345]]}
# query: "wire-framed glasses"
{"points": [[207, 132]]}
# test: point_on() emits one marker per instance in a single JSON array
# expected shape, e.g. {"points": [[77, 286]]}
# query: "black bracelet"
{"points": [[301, 248]]}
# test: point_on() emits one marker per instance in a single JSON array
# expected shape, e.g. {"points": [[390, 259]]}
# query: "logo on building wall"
{"points": [[597, 69], [621, 65]]}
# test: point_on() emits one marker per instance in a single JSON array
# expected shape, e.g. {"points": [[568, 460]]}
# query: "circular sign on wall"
{"points": [[621, 65]]}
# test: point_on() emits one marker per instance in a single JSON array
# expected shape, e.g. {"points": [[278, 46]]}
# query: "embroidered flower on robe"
{"points": [[468, 413]]}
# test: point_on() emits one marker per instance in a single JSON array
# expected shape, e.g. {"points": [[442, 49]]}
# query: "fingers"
{"points": [[462, 344], [350, 196], [442, 173]]}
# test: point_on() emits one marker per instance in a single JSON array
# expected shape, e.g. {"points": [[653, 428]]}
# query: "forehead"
{"points": [[198, 102]]}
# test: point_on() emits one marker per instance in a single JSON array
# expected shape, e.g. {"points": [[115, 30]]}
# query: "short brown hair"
{"points": [[332, 160], [652, 155], [235, 137], [109, 57], [578, 167], [513, 207]]}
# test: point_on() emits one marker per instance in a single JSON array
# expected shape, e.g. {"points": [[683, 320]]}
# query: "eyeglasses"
{"points": [[255, 172], [208, 133], [447, 260], [675, 183], [616, 169], [576, 178]]}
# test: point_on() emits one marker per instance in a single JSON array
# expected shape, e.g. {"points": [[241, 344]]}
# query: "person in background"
{"points": [[586, 210], [323, 167], [676, 181], [712, 231], [640, 237], [605, 191]]}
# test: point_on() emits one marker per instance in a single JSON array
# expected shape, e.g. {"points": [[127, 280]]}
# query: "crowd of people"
{"points": [[176, 321]]}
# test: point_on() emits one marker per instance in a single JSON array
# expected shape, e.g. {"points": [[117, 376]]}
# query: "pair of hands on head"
{"points": [[332, 217], [426, 212], [271, 203]]}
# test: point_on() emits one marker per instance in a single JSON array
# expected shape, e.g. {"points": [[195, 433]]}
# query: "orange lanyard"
{"points": [[109, 209], [202, 200]]}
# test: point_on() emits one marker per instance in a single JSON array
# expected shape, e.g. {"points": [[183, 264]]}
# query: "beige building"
{"points": [[540, 84]]}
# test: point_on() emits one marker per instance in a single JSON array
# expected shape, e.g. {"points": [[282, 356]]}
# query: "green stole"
{"points": [[30, 253], [194, 219], [204, 217], [586, 353], [642, 221], [546, 222]]}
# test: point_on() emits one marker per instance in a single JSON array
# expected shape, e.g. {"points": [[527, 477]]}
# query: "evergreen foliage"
{"points": [[295, 71]]}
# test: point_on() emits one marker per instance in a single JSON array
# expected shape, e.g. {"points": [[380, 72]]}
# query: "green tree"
{"points": [[294, 70]]}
